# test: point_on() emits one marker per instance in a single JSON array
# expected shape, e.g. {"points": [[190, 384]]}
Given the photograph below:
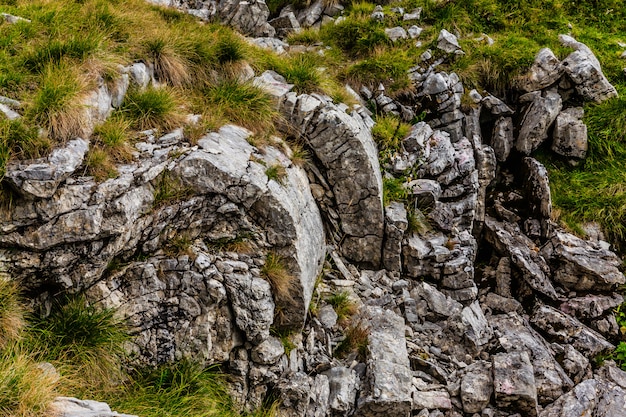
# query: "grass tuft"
{"points": [[169, 65], [11, 313], [241, 103], [282, 281], [153, 108], [343, 305], [355, 340]]}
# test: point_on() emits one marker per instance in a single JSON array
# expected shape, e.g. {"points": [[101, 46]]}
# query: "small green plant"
{"points": [[279, 277], [11, 313], [241, 103], [25, 390], [286, 338], [343, 305], [56, 105], [302, 71], [169, 189], [19, 140], [276, 172], [355, 340], [308, 36], [99, 164], [83, 341], [179, 245], [153, 108], [114, 135], [169, 65], [180, 389], [620, 317], [619, 355], [394, 190], [388, 132], [229, 49]]}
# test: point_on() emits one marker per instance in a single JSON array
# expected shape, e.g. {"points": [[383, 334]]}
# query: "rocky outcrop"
{"points": [[73, 407], [343, 145]]}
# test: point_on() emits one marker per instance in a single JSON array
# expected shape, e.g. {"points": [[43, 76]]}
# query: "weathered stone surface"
{"points": [[593, 397], [584, 69], [440, 156], [570, 134], [8, 112], [285, 24], [272, 44], [425, 192], [591, 306], [508, 240], [545, 71], [273, 84], [388, 380], [11, 19], [537, 187], [431, 400], [268, 351], [582, 265], [73, 407], [344, 146], [514, 383], [40, 178], [574, 363], [502, 138], [496, 106], [343, 389], [303, 396], [541, 113], [248, 17], [562, 328], [396, 224], [311, 14], [477, 332], [396, 33], [477, 387], [515, 335], [447, 42]]}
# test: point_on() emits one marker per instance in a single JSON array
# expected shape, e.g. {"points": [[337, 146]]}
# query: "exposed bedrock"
{"points": [[67, 242], [343, 145]]}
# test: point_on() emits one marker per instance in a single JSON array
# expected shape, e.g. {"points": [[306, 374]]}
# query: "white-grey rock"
{"points": [[581, 265], [344, 146], [515, 335], [414, 31], [414, 15], [73, 407], [477, 386], [570, 134], [514, 383], [273, 84], [396, 33], [538, 118], [268, 351], [11, 19], [545, 71], [8, 112], [447, 42], [396, 224], [273, 44], [388, 381], [584, 69], [502, 138], [343, 389], [40, 178], [248, 17]]}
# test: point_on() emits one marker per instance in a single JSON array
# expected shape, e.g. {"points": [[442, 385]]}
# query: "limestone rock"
{"points": [[248, 17], [285, 24], [396, 224], [537, 187], [584, 69], [541, 113], [514, 383], [343, 389], [566, 329], [388, 380], [477, 387], [570, 134], [581, 265], [268, 351], [592, 397], [344, 146], [502, 138], [396, 33], [517, 336], [73, 407], [545, 71], [508, 240], [40, 178], [447, 42]]}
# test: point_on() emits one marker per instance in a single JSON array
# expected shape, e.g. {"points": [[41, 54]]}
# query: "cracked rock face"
{"points": [[344, 146]]}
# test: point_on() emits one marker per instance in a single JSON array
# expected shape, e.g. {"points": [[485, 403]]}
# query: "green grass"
{"points": [[240, 102], [276, 172], [152, 108], [343, 305]]}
